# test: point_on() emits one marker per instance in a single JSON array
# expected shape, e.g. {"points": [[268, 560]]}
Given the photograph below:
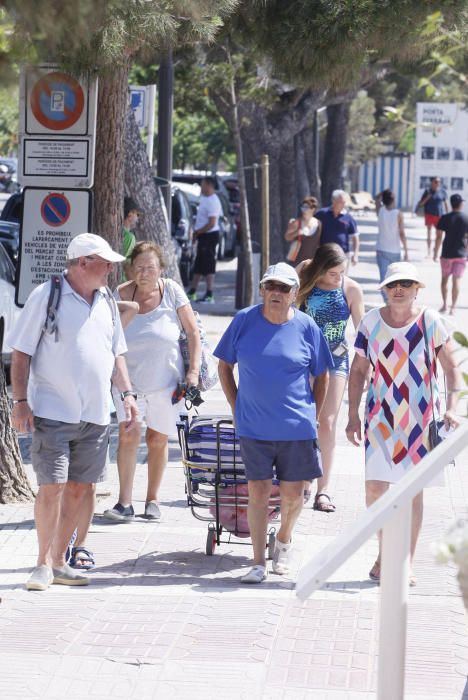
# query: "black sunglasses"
{"points": [[276, 287], [406, 284]]}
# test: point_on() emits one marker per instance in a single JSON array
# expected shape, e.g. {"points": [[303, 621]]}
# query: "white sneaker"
{"points": [[257, 574], [281, 556]]}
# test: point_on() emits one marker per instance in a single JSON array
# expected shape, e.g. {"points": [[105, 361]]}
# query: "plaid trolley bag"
{"points": [[215, 481]]}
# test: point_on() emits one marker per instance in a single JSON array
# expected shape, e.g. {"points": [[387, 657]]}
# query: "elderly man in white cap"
{"points": [[280, 353], [63, 361]]}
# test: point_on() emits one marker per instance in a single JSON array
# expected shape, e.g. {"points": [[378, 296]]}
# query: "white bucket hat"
{"points": [[401, 271]]}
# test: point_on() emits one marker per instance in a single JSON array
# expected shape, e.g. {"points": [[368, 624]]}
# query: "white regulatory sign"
{"points": [[48, 158], [441, 147], [138, 102], [57, 128], [51, 218]]}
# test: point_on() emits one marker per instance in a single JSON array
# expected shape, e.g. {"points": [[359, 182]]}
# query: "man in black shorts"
{"points": [[207, 234]]}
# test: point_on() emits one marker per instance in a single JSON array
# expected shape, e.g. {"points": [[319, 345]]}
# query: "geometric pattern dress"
{"points": [[399, 404]]}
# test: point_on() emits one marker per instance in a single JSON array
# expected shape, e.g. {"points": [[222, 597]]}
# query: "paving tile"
{"points": [[163, 620]]}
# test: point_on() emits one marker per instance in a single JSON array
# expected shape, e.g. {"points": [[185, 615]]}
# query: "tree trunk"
{"points": [[14, 484], [109, 167], [140, 185], [301, 146], [335, 149], [307, 169], [247, 252], [268, 131]]}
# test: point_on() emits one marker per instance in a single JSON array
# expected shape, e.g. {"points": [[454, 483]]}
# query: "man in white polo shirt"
{"points": [[207, 234], [61, 375]]}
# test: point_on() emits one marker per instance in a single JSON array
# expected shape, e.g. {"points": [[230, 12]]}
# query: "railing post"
{"points": [[396, 535]]}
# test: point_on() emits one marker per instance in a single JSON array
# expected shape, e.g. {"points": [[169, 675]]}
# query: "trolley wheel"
{"points": [[210, 542], [271, 545]]}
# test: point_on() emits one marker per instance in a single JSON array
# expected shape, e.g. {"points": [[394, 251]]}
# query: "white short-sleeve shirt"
{"points": [[209, 206], [70, 373]]}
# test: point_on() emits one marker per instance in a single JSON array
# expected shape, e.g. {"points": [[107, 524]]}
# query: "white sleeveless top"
{"points": [[388, 239], [154, 360]]}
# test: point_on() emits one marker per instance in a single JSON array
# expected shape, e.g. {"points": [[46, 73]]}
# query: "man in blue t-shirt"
{"points": [[278, 350], [338, 226], [434, 201]]}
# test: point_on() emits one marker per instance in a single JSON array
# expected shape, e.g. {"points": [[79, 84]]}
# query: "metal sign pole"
{"points": [[151, 105], [265, 212]]}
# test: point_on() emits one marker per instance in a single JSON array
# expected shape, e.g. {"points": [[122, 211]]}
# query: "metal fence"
{"points": [[394, 171]]}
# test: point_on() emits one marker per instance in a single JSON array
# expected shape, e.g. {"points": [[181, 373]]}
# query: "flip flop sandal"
{"points": [[324, 507], [80, 554]]}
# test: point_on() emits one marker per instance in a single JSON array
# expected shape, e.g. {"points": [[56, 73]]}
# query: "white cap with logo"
{"points": [[91, 244], [281, 272]]}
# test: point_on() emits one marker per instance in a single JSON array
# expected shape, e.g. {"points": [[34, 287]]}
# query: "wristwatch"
{"points": [[129, 392]]}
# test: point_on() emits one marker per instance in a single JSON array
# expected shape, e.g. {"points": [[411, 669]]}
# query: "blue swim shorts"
{"points": [[286, 460]]}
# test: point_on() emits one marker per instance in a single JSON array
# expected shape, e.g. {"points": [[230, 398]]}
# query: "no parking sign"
{"points": [[57, 128], [51, 218]]}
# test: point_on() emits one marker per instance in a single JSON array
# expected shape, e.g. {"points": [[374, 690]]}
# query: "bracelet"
{"points": [[15, 401]]}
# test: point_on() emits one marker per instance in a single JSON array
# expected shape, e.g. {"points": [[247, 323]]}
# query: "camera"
{"points": [[191, 394]]}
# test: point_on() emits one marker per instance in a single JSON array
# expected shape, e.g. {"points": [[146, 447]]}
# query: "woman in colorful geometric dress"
{"points": [[331, 299], [403, 393]]}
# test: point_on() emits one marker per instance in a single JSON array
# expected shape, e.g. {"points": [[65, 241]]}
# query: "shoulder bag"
{"points": [[208, 375], [435, 425], [295, 245]]}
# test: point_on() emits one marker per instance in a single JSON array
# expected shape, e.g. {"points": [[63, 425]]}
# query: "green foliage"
{"points": [[8, 120], [202, 141], [364, 142], [461, 339], [201, 137], [96, 35], [324, 43]]}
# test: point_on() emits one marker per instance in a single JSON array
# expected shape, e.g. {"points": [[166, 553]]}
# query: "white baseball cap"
{"points": [[401, 271], [281, 272], [91, 244]]}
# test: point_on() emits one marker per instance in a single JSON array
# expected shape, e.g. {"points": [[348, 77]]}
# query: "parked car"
{"points": [[232, 185], [9, 238], [182, 232], [8, 175], [13, 209], [8, 309], [227, 226]]}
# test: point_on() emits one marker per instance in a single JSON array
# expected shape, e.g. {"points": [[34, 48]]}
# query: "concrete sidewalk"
{"points": [[163, 620]]}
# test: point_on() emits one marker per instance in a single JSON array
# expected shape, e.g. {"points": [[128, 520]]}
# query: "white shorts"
{"points": [[155, 410]]}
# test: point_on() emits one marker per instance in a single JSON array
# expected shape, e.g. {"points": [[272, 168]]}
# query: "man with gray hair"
{"points": [[281, 354], [61, 373], [338, 226]]}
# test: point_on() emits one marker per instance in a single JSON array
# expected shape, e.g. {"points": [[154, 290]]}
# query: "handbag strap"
{"points": [[429, 362], [172, 296]]}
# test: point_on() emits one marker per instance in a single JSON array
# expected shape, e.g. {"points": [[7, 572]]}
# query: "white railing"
{"points": [[392, 514]]}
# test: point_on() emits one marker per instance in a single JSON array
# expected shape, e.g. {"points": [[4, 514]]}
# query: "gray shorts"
{"points": [[286, 460], [64, 452]]}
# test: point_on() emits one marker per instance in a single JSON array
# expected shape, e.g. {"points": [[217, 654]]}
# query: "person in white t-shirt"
{"points": [[207, 235], [61, 373]]}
